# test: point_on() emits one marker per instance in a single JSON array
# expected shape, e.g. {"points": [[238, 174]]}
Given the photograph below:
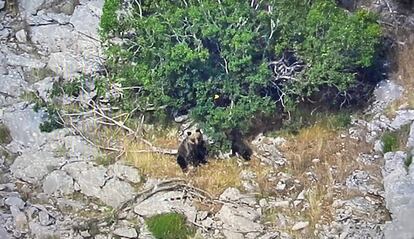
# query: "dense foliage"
{"points": [[221, 60]]}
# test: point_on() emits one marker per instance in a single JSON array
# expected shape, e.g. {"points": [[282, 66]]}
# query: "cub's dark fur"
{"points": [[193, 150], [239, 145]]}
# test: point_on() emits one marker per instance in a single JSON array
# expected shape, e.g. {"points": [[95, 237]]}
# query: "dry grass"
{"points": [[321, 150], [214, 177]]}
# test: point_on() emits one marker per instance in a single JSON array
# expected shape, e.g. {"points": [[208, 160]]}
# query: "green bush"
{"points": [[183, 53], [169, 226]]}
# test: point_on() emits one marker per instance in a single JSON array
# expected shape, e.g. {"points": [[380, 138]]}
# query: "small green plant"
{"points": [[390, 142], [53, 121], [169, 226], [5, 137]]}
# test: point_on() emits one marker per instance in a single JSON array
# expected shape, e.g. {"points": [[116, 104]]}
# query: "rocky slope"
{"points": [[52, 187]]}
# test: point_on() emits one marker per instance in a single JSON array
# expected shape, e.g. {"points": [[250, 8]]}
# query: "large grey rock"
{"points": [[403, 117], [33, 167], [399, 196], [24, 125], [12, 86], [116, 192], [58, 182], [2, 4], [239, 219], [53, 38], [125, 172], [40, 232], [24, 60], [79, 149], [4, 234], [15, 201], [84, 14], [165, 203], [126, 232], [30, 6], [91, 179], [65, 64]]}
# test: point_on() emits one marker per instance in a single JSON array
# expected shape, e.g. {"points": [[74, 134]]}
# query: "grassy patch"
{"points": [[5, 137], [396, 140], [169, 226]]}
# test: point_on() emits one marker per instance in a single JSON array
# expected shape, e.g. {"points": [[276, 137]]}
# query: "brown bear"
{"points": [[192, 151]]}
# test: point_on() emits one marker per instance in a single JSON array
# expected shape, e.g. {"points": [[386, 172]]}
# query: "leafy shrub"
{"points": [[185, 53], [169, 226]]}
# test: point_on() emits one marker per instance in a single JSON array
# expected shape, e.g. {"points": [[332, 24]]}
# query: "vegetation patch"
{"points": [[5, 137], [227, 63], [396, 140], [169, 226]]}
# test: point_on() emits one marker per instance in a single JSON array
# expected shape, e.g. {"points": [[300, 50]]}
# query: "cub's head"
{"points": [[195, 138]]}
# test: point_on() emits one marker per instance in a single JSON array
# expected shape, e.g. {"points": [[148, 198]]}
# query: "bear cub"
{"points": [[239, 146], [192, 151]]}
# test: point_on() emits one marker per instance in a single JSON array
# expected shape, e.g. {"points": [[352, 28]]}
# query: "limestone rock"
{"points": [[239, 219], [125, 172], [58, 182], [300, 226], [21, 36], [126, 232]]}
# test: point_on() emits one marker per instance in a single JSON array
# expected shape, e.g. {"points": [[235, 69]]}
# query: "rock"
{"points": [[300, 226], [378, 146], [410, 141], [162, 203], [403, 117], [93, 182], [39, 231], [2, 5], [53, 38], [15, 201], [280, 186], [126, 232], [24, 60], [116, 192], [24, 126], [58, 182], [30, 6], [84, 14], [4, 33], [20, 219], [65, 65], [239, 219], [232, 235], [399, 196], [125, 173], [44, 87], [181, 118], [21, 36], [91, 179], [231, 194], [32, 167], [282, 204], [79, 149], [4, 234], [44, 218]]}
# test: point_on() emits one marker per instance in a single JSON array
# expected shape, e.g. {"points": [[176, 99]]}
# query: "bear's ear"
{"points": [[198, 130], [188, 133]]}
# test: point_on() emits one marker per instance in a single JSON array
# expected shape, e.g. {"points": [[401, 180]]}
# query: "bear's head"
{"points": [[195, 138]]}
